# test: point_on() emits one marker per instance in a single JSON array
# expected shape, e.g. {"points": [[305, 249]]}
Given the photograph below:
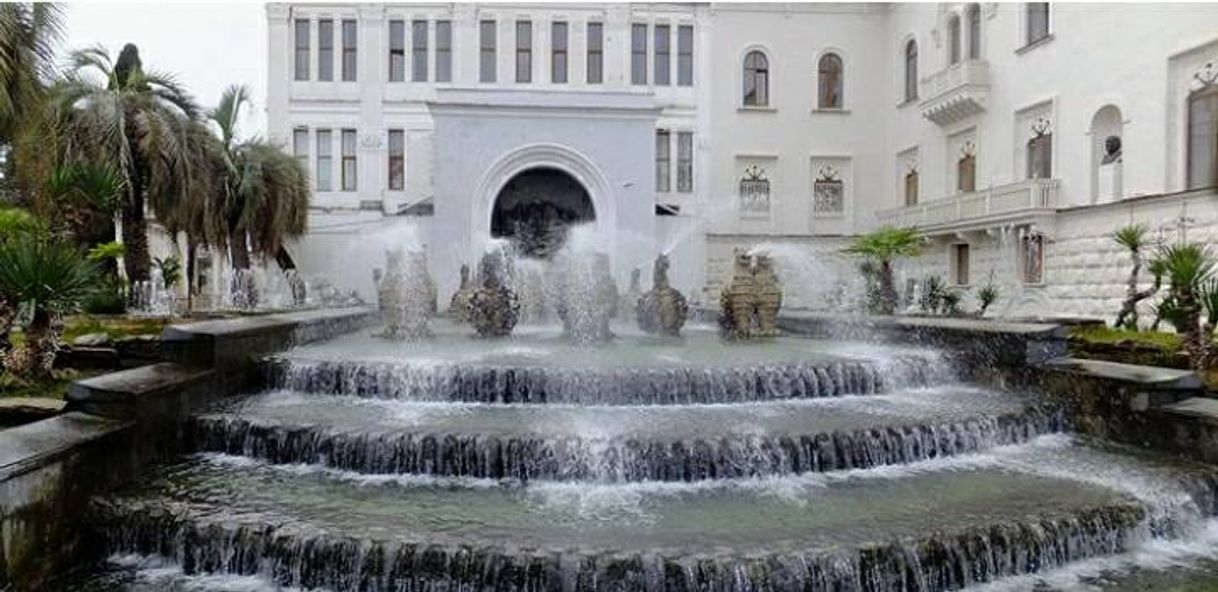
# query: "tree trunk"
{"points": [[1196, 341], [888, 289], [36, 357], [136, 260], [238, 251], [284, 259], [1127, 318]]}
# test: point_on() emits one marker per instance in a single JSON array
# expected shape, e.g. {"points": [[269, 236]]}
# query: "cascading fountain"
{"points": [[493, 309], [749, 305], [662, 309], [152, 297], [587, 296]]}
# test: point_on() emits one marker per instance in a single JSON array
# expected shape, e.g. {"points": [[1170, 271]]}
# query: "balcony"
{"points": [[956, 92], [1018, 202]]}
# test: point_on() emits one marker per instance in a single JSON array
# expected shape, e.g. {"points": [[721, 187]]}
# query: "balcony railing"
{"points": [[955, 92], [987, 204]]}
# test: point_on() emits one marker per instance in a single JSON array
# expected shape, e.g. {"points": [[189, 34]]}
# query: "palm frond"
{"points": [[1132, 237]]}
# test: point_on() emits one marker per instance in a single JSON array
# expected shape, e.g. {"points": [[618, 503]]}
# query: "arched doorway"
{"points": [[535, 209]]}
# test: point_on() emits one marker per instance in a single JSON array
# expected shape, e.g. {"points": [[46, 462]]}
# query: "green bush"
{"points": [[108, 298]]}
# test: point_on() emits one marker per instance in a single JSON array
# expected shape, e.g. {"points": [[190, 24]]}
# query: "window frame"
{"points": [[824, 76], [488, 51], [661, 54], [758, 74], [912, 182], [299, 152], [301, 70], [419, 72], [1039, 152], [962, 263], [663, 145], [595, 54], [524, 50], [560, 53], [350, 48], [685, 162], [685, 55], [1208, 94], [911, 71], [396, 162], [972, 16], [955, 53], [397, 50], [1042, 9], [349, 179], [324, 160], [325, 50], [638, 54], [966, 162], [444, 51]]}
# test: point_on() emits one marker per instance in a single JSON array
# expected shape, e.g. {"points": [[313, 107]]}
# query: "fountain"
{"points": [[459, 305], [407, 296], [151, 297], [662, 309], [749, 305], [627, 308], [493, 309], [587, 296]]}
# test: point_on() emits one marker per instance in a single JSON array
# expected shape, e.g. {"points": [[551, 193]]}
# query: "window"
{"points": [[966, 173], [558, 52], [685, 55], [638, 54], [911, 188], [685, 162], [397, 160], [754, 191], [663, 54], [324, 150], [349, 45], [1040, 156], [1038, 21], [596, 53], [325, 50], [830, 90], [302, 49], [444, 51], [960, 264], [486, 40], [348, 160], [418, 51], [1032, 257], [300, 146], [828, 193], [756, 80], [524, 51], [663, 161], [1203, 137], [973, 13], [397, 51], [911, 70], [953, 40]]}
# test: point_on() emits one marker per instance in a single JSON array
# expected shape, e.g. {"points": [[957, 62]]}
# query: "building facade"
{"points": [[1017, 137]]}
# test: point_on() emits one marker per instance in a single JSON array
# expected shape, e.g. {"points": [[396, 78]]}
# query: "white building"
{"points": [[696, 128]]}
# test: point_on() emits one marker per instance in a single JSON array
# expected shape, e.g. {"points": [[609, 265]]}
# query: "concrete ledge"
{"points": [[1187, 428], [233, 347], [48, 471], [1150, 377]]}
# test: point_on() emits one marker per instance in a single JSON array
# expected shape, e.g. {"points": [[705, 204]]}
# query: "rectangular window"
{"points": [[1038, 21], [1040, 157], [418, 53], [302, 49], [325, 50], [444, 51], [596, 53], [349, 160], [1032, 257], [524, 51], [685, 55], [349, 48], [685, 162], [558, 52], [663, 54], [638, 54], [663, 161], [486, 41], [966, 174], [911, 188], [397, 51], [961, 253], [1202, 165], [397, 160], [300, 146], [324, 151]]}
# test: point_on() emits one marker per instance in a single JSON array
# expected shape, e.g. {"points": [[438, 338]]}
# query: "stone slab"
{"points": [[35, 444], [1145, 376], [1202, 408], [19, 410], [121, 393]]}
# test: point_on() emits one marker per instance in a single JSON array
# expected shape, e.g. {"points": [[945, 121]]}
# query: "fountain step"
{"points": [[539, 366], [935, 526], [621, 443]]}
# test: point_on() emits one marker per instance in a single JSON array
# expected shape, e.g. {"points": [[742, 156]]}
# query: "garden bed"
{"points": [[1144, 348]]}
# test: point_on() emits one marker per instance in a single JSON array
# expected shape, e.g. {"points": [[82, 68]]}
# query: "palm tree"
{"points": [[138, 123], [46, 279], [1189, 267], [267, 196], [1133, 238], [28, 33], [882, 247]]}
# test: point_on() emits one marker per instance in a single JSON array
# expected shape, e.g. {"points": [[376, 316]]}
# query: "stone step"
{"points": [[620, 443]]}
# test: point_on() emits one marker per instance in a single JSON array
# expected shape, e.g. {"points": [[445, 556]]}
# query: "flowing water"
{"points": [[461, 464]]}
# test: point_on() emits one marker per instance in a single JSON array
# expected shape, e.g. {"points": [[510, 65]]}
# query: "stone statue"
{"points": [[405, 296], [663, 309], [769, 297], [458, 307], [1112, 150], [630, 300], [749, 305], [493, 309]]}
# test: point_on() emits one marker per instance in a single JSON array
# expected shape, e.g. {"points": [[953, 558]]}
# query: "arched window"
{"points": [[831, 82], [973, 14], [1203, 136], [966, 173], [911, 187], [756, 79], [911, 70], [953, 40]]}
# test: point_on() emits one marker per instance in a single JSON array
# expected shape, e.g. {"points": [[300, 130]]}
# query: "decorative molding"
{"points": [[1205, 76], [754, 172], [969, 148], [1041, 125], [371, 141], [828, 173]]}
